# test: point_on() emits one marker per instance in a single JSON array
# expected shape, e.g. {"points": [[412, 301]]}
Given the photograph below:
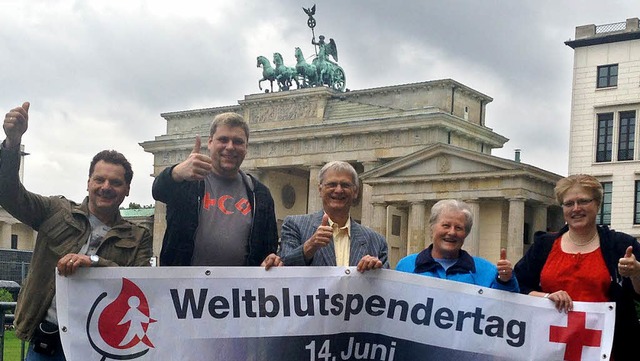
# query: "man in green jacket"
{"points": [[70, 235]]}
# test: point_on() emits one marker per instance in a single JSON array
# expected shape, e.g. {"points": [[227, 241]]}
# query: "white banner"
{"points": [[316, 314]]}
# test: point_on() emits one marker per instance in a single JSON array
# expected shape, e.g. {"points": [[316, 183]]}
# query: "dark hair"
{"points": [[231, 120], [113, 157]]}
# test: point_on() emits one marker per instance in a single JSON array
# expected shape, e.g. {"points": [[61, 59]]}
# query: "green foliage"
{"points": [[133, 205], [5, 296]]}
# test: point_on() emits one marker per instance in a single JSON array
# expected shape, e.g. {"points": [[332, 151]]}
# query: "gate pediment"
{"points": [[443, 160]]}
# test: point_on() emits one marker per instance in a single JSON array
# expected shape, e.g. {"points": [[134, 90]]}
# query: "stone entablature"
{"points": [[319, 124], [353, 141]]}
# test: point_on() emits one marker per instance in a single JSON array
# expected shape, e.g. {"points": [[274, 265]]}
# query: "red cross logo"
{"points": [[575, 335]]}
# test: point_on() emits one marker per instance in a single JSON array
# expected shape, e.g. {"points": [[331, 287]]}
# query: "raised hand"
{"points": [[628, 266], [195, 168], [505, 268], [16, 122], [320, 238]]}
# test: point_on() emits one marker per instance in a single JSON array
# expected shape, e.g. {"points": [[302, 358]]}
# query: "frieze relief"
{"points": [[345, 143], [324, 145], [173, 156], [284, 111]]}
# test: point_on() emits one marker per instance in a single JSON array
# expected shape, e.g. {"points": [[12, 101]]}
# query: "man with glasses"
{"points": [[330, 237]]}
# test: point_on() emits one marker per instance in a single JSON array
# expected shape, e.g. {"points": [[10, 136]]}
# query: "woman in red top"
{"points": [[586, 262]]}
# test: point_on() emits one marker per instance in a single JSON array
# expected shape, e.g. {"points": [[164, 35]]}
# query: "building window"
{"points": [[636, 208], [604, 214], [607, 76], [14, 241], [605, 137], [626, 135]]}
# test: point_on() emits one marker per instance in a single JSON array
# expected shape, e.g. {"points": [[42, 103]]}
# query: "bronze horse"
{"points": [[305, 70], [268, 73], [284, 74]]}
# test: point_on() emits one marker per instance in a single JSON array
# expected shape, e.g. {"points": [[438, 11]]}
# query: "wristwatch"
{"points": [[94, 260]]}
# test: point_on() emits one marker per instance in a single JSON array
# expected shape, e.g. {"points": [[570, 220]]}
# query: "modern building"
{"points": [[412, 144], [604, 108]]}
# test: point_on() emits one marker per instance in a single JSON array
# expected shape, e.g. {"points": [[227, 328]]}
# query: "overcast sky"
{"points": [[99, 73]]}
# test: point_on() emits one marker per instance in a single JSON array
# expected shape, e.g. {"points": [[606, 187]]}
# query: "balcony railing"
{"points": [[610, 28]]}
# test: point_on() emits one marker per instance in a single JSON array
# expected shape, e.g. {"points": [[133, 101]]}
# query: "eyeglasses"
{"points": [[579, 202], [334, 185]]}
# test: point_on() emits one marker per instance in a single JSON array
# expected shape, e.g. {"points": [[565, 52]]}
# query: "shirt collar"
{"points": [[426, 263], [347, 225]]}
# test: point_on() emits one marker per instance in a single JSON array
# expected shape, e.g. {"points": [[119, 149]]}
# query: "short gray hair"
{"points": [[339, 166], [451, 205]]}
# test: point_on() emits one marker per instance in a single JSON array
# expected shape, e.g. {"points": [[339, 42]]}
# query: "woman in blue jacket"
{"points": [[450, 223]]}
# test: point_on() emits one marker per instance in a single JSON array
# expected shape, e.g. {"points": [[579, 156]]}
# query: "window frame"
{"points": [[604, 217], [628, 130], [604, 137], [610, 77], [636, 203]]}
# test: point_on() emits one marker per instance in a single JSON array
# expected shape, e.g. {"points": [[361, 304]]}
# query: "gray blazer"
{"points": [[297, 229]]}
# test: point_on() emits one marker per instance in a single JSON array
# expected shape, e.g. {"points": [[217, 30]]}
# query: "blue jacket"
{"points": [[474, 270]]}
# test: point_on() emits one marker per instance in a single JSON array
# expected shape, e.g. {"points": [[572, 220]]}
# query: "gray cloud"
{"points": [[99, 73]]}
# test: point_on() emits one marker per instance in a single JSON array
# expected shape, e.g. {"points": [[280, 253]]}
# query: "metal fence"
{"points": [[15, 348], [14, 266]]}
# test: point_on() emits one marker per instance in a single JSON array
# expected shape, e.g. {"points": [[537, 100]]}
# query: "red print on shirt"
{"points": [[243, 206]]}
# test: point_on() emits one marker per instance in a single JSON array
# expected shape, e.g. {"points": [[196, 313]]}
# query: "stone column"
{"points": [[314, 203], [539, 220], [472, 242], [380, 218], [515, 230], [5, 236], [417, 230], [159, 226], [366, 217]]}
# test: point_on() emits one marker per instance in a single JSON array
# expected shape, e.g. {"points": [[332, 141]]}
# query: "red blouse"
{"points": [[584, 276]]}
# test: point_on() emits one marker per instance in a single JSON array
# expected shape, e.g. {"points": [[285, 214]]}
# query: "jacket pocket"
{"points": [[126, 244], [59, 229]]}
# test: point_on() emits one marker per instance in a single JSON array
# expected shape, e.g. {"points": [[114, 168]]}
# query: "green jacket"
{"points": [[63, 227]]}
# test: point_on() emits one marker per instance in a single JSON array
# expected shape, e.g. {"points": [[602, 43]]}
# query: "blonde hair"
{"points": [[231, 120], [584, 181]]}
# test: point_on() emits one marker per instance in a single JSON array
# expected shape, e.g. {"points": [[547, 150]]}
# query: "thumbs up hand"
{"points": [[195, 168], [15, 125], [628, 266], [505, 268], [320, 238]]}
